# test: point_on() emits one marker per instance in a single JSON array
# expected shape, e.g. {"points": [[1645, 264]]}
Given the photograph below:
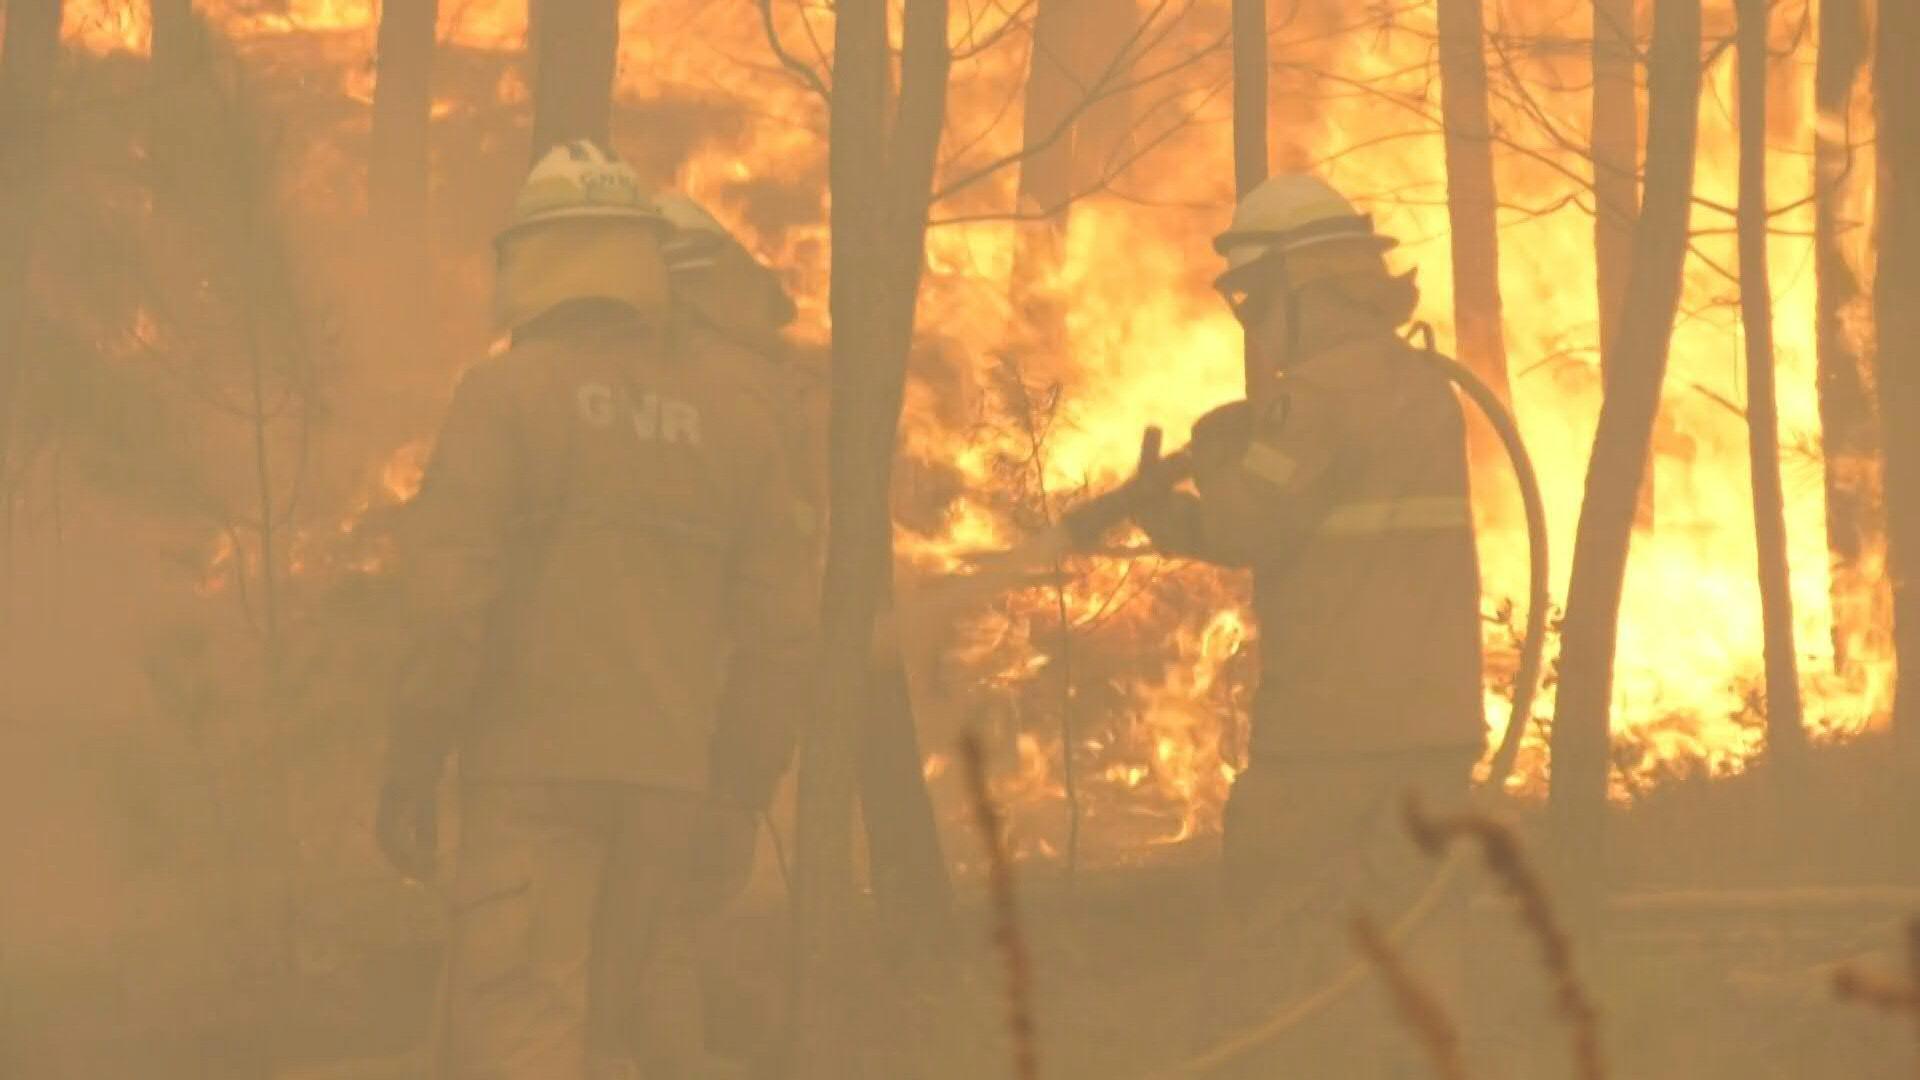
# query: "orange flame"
{"points": [[1142, 342]]}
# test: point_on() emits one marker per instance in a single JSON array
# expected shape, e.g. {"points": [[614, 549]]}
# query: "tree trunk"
{"points": [[402, 109], [398, 177], [880, 192], [1053, 93], [1073, 135], [28, 55], [1103, 34], [1074, 127], [1250, 130], [1616, 184], [1046, 172], [1077, 112], [1850, 436], [1581, 728], [1249, 95], [1615, 149], [1472, 212], [911, 887], [1897, 283], [181, 66], [1786, 733], [576, 46]]}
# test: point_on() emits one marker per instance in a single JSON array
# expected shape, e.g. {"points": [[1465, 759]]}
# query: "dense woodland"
{"points": [[245, 254]]}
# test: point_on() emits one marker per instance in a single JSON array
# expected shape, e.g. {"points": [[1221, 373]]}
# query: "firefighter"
{"points": [[1341, 483], [730, 306], [603, 545], [719, 286]]}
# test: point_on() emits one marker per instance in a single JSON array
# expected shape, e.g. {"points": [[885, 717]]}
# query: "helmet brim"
{"points": [[1249, 261], [578, 213], [1358, 228]]}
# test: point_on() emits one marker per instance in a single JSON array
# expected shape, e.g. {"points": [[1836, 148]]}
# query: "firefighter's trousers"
{"points": [[572, 954], [1309, 844]]}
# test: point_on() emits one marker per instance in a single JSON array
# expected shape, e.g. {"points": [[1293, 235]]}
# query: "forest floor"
{"points": [[1719, 963]]}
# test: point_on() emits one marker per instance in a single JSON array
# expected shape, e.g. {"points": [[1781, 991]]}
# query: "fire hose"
{"points": [[1086, 522]]}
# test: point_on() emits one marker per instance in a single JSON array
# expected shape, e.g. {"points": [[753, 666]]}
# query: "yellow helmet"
{"points": [[577, 180], [1289, 213]]}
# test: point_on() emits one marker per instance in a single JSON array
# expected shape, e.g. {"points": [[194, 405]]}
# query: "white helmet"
{"points": [[1290, 212], [696, 242], [578, 179], [696, 238]]}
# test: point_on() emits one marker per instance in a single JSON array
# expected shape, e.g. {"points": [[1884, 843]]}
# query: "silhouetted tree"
{"points": [[402, 108], [181, 96], [1897, 90], [1073, 125], [398, 175], [1581, 727], [1250, 160], [1849, 427], [1615, 149], [881, 179], [27, 56], [576, 46], [1471, 211], [1786, 735]]}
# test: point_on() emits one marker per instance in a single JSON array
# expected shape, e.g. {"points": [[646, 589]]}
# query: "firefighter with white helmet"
{"points": [[718, 281], [603, 547], [732, 308], [1341, 482], [582, 227]]}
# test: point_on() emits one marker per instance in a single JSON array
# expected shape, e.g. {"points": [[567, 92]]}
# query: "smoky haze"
{"points": [[1034, 818]]}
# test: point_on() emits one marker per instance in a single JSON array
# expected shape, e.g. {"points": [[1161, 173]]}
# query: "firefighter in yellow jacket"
{"points": [[602, 552], [1341, 482]]}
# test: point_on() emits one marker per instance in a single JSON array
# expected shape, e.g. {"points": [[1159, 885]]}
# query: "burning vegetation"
{"points": [[245, 259], [1050, 335]]}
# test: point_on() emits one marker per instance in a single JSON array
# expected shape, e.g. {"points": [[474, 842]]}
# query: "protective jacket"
{"points": [[606, 528], [1346, 494], [765, 360]]}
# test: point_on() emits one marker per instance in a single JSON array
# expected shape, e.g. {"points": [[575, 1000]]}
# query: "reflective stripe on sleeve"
{"points": [[1269, 463], [1419, 513]]}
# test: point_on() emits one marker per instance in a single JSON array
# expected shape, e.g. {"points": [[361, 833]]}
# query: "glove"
{"points": [[407, 823], [1173, 522], [1152, 478], [725, 839], [1223, 434]]}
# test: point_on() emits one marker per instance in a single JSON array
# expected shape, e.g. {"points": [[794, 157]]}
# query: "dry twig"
{"points": [[1423, 1012], [1006, 916], [1507, 860]]}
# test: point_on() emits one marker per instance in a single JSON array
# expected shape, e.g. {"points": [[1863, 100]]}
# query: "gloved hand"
{"points": [[725, 839], [1222, 435], [407, 823], [1172, 522], [1152, 478]]}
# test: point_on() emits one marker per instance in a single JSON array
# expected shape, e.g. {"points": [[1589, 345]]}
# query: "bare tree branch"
{"points": [[800, 69], [1106, 85]]}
